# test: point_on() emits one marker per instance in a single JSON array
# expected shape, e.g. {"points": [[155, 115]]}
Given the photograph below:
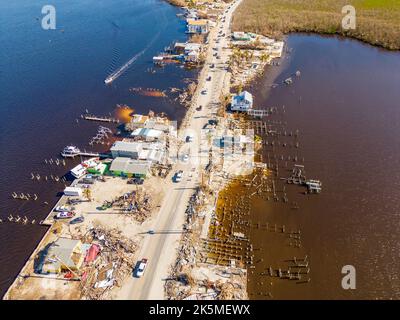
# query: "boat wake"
{"points": [[125, 67]]}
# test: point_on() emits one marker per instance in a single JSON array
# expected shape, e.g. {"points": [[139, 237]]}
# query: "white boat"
{"points": [[70, 151], [81, 169]]}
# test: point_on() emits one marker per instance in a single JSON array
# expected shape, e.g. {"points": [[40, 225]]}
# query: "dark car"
{"points": [[77, 220], [136, 181]]}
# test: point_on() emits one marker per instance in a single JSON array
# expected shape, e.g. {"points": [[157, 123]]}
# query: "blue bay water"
{"points": [[49, 77]]}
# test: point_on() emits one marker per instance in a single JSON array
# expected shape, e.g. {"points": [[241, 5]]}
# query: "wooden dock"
{"points": [[91, 117]]}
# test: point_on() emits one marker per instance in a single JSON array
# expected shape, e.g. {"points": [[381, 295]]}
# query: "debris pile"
{"points": [[113, 263], [149, 92], [136, 203], [190, 278]]}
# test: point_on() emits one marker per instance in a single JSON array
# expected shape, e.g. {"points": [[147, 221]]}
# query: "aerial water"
{"points": [[113, 76]]}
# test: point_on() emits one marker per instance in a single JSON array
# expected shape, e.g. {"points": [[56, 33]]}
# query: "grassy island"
{"points": [[377, 21]]}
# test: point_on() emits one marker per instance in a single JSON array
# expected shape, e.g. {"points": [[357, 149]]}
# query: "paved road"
{"points": [[160, 248]]}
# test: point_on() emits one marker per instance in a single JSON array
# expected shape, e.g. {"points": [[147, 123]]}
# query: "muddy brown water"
{"points": [[345, 106]]}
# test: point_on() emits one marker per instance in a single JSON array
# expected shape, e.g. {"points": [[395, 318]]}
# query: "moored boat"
{"points": [[70, 151], [93, 165]]}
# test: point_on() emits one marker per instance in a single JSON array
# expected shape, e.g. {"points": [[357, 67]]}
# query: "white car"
{"points": [[185, 157], [140, 269], [62, 208], [178, 176]]}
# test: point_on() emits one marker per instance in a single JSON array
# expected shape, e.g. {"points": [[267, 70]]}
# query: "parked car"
{"points": [[141, 267], [209, 78], [77, 220], [204, 91], [189, 138], [185, 157], [178, 176], [62, 208], [199, 108], [136, 181], [65, 215]]}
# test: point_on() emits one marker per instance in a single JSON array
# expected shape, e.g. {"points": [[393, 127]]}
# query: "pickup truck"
{"points": [[141, 267]]}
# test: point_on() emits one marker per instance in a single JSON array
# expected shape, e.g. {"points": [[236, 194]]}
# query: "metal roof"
{"points": [[126, 146], [62, 250], [130, 166]]}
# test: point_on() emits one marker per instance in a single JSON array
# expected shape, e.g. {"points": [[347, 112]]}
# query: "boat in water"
{"points": [[70, 151]]}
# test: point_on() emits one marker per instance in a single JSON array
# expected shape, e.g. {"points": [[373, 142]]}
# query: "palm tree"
{"points": [[87, 193], [264, 57]]}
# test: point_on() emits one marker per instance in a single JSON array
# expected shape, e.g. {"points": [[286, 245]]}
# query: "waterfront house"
{"points": [[190, 47], [151, 151], [242, 102], [130, 167], [191, 14], [179, 47], [64, 255], [147, 134], [197, 26], [126, 149], [190, 51], [192, 56], [142, 121]]}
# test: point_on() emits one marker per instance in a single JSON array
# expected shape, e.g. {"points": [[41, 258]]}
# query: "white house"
{"points": [[192, 52], [242, 102]]}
